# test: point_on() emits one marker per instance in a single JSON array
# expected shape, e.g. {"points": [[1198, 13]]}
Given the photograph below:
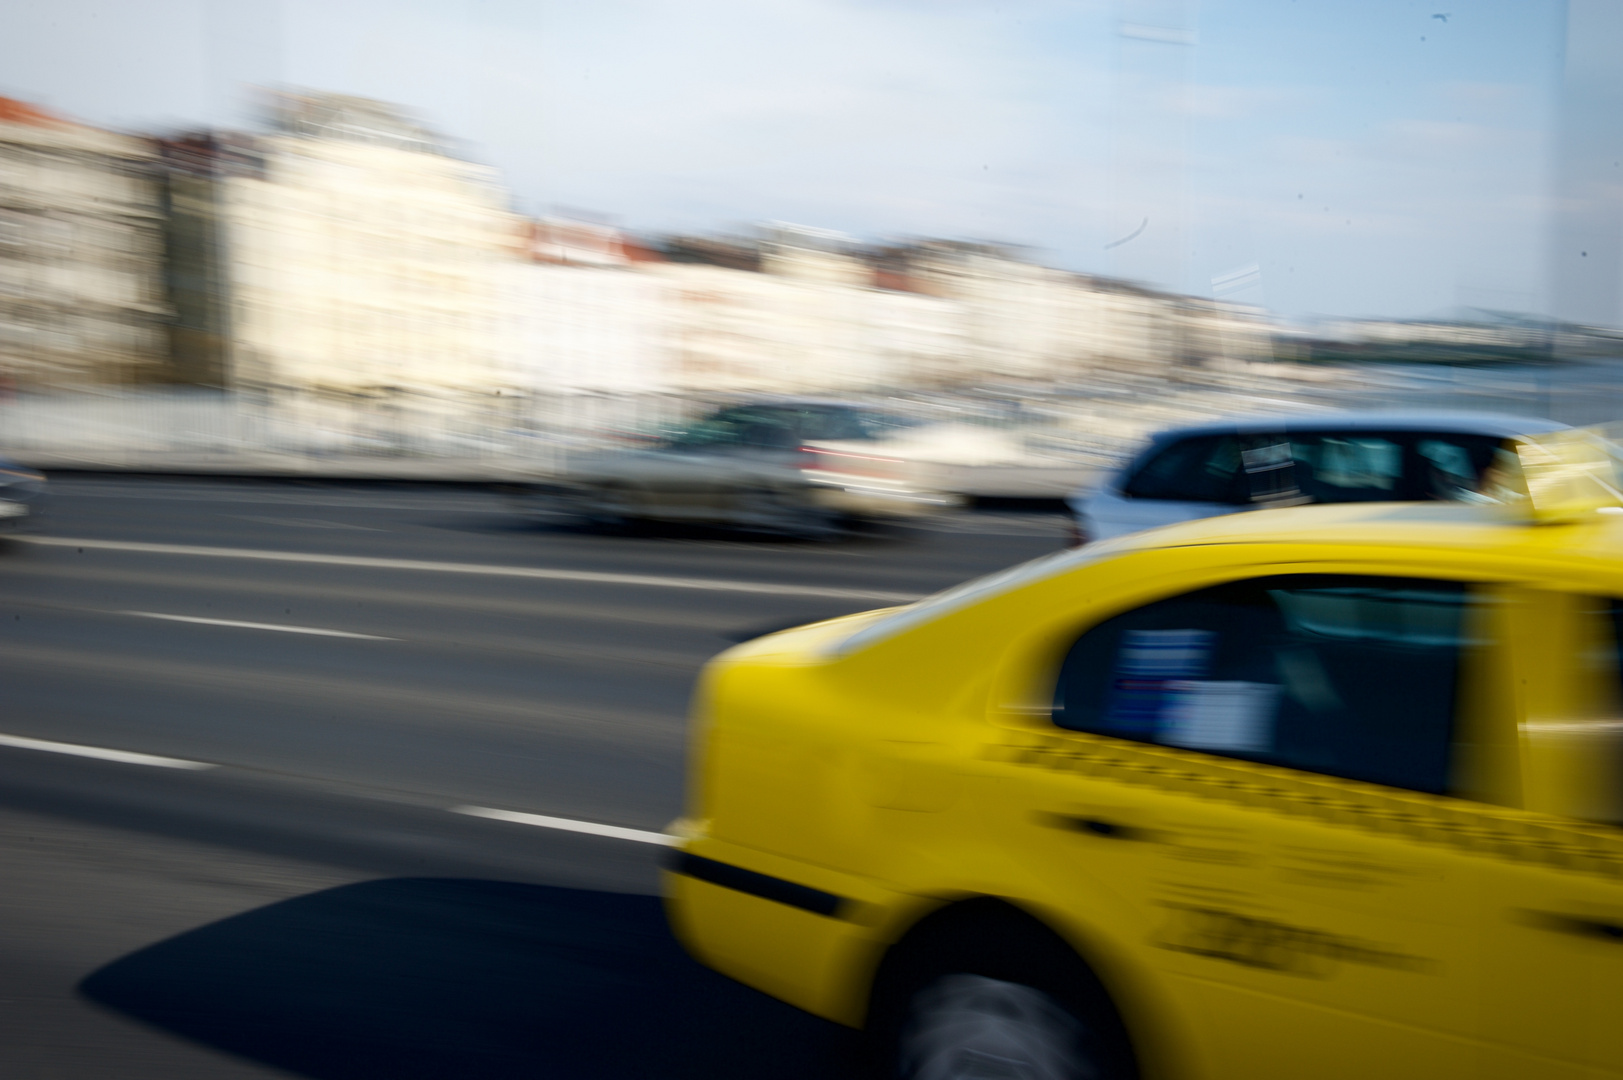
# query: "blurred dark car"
{"points": [[794, 467], [1210, 469], [22, 495]]}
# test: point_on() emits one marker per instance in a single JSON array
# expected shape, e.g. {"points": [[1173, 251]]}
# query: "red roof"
{"points": [[13, 111]]}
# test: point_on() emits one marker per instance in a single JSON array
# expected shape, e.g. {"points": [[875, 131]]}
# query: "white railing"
{"points": [[185, 429], [495, 437]]}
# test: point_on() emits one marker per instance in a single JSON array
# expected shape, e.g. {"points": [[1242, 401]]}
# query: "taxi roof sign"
{"points": [[1564, 475]]}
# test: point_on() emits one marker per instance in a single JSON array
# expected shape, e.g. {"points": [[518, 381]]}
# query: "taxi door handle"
{"points": [[1594, 928], [1574, 924], [1096, 826]]}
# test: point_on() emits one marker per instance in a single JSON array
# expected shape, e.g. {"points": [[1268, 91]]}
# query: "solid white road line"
{"points": [[591, 828], [305, 523], [81, 491], [256, 625], [543, 573], [125, 756]]}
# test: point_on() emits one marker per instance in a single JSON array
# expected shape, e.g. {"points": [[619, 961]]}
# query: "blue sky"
{"points": [[1367, 158]]}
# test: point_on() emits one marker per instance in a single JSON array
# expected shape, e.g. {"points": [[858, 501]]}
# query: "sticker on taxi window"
{"points": [[1147, 666], [1158, 694], [1237, 717]]}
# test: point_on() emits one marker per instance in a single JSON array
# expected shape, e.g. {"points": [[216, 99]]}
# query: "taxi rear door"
{"points": [[1237, 773]]}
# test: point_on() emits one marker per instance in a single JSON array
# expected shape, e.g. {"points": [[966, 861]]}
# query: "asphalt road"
{"points": [[306, 700]]}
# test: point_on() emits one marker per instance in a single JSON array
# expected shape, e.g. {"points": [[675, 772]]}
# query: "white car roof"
{"points": [[1462, 423]]}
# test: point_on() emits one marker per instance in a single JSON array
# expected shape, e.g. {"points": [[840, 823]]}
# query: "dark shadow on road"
{"points": [[418, 978], [1021, 504]]}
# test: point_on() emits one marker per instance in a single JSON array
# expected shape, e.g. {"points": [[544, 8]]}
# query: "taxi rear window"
{"points": [[1342, 675]]}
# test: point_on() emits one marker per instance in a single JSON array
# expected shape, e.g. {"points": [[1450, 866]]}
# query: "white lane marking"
{"points": [[215, 495], [126, 756], [591, 576], [305, 523], [591, 828], [1043, 527], [256, 625]]}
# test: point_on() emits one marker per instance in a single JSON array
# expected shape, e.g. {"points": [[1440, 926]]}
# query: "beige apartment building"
{"points": [[363, 260], [355, 260], [737, 331], [82, 298], [1030, 323], [596, 314], [806, 311], [584, 329]]}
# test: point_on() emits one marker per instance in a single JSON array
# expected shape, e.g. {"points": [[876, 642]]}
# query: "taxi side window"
{"points": [[1343, 675]]}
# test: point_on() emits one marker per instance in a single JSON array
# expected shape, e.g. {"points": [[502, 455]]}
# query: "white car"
{"points": [[805, 467], [22, 496], [1220, 468]]}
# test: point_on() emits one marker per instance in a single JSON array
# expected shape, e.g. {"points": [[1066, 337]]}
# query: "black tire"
{"points": [[550, 507], [791, 514], [611, 509], [993, 993]]}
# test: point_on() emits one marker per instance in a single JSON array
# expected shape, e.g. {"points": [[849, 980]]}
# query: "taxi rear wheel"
{"points": [[988, 992], [964, 1026]]}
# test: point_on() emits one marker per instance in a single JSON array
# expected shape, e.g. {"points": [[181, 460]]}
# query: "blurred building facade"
{"points": [[1025, 322], [364, 258], [82, 298], [589, 330], [579, 321], [196, 250], [802, 309], [346, 255], [798, 312]]}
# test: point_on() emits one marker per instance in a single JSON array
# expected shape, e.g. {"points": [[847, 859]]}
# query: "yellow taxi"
{"points": [[1318, 792]]}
